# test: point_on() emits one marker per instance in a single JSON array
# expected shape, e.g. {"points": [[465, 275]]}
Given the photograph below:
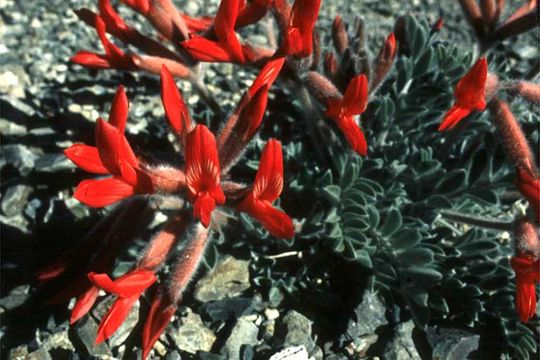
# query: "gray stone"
{"points": [[20, 157], [173, 355], [16, 297], [14, 199], [297, 330], [401, 346], [18, 353], [244, 332], [452, 344], [8, 128], [58, 340], [85, 331], [40, 354], [369, 315], [51, 163], [191, 335], [229, 278]]}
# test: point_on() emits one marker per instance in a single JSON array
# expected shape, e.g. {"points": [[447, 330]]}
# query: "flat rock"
{"points": [[191, 335], [297, 330], [401, 346], [15, 298], [452, 344], [15, 199], [228, 279], [243, 333], [85, 331]]}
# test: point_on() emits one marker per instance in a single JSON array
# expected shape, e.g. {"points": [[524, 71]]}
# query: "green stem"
{"points": [[487, 223]]}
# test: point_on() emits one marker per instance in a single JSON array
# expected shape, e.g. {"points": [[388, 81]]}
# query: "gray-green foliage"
{"points": [[381, 212]]}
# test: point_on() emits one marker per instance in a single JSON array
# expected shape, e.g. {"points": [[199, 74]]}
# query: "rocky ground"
{"points": [[46, 105]]}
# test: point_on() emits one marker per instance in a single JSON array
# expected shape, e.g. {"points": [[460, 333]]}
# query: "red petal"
{"points": [[196, 25], [87, 158], [525, 300], [206, 50], [253, 113], [173, 103], [202, 163], [108, 142], [91, 60], [278, 223], [99, 193], [115, 317], [158, 318], [304, 15], [353, 134], [252, 12], [269, 179], [119, 110], [203, 207], [453, 117], [111, 18], [470, 89], [226, 18], [112, 51], [142, 6], [356, 96], [293, 42], [127, 285], [84, 303], [267, 75]]}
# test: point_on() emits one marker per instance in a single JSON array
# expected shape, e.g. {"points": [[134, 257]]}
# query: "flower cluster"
{"points": [[200, 184]]}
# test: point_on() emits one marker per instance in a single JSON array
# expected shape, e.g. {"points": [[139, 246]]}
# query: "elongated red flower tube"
{"points": [[203, 173], [342, 111], [159, 316], [112, 155], [469, 95], [527, 274], [176, 110], [266, 189], [114, 58], [128, 288], [298, 40], [228, 47]]}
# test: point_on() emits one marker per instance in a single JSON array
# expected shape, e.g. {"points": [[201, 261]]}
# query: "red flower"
{"points": [[203, 173], [112, 155], [159, 316], [527, 273], [175, 108], [299, 37], [228, 47], [267, 188], [469, 95], [128, 288], [197, 25], [343, 110], [251, 12], [529, 186], [114, 58]]}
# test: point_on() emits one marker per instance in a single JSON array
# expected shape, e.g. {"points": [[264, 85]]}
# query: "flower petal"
{"points": [[99, 193], [267, 75], [159, 316], [277, 222], [127, 285], [470, 90], [87, 158], [353, 134], [253, 113], [356, 96], [119, 110], [206, 50], [269, 179], [252, 12], [453, 117], [83, 304], [175, 108], [116, 315], [91, 60], [202, 163]]}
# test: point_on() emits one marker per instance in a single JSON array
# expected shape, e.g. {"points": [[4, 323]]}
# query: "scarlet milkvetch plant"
{"points": [[477, 90]]}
